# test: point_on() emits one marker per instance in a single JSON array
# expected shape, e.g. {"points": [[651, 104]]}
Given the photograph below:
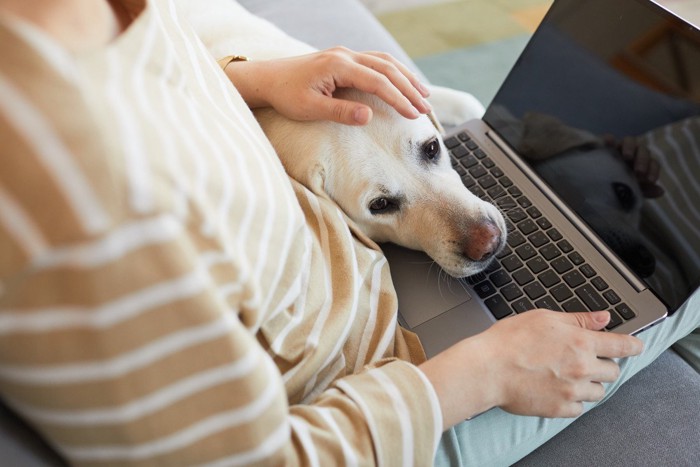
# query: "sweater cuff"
{"points": [[401, 409]]}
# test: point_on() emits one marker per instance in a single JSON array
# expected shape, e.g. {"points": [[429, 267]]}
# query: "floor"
{"points": [[471, 44]]}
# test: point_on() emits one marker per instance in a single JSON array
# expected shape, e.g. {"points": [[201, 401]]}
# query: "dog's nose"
{"points": [[483, 242]]}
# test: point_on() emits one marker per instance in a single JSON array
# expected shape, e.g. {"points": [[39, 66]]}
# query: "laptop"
{"points": [[554, 152]]}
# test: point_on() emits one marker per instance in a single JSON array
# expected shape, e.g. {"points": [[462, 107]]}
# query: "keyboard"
{"points": [[538, 268]]}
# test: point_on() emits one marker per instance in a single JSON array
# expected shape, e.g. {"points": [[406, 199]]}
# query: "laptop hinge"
{"points": [[587, 232]]}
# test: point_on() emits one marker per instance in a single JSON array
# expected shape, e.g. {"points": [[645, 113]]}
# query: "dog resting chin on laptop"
{"points": [[392, 177]]}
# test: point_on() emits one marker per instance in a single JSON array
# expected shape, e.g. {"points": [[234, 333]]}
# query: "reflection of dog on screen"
{"points": [[594, 180], [393, 177]]}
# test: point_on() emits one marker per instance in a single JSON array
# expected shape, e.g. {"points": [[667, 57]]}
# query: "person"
{"points": [[168, 295]]}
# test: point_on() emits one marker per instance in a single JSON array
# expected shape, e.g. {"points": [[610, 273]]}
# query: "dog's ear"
{"points": [[436, 123]]}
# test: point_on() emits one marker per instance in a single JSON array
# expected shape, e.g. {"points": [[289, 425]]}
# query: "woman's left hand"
{"points": [[302, 87]]}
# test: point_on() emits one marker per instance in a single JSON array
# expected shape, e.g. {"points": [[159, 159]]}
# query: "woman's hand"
{"points": [[540, 363], [302, 87]]}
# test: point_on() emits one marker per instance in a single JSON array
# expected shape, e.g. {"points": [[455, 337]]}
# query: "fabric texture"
{"points": [[168, 294]]}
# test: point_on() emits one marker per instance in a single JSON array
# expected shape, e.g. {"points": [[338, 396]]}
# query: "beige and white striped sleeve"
{"points": [[128, 319]]}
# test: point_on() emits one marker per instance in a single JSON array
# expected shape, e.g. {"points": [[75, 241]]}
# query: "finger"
{"points": [[412, 78], [338, 110], [609, 345], [595, 320], [628, 148], [592, 392], [384, 80], [605, 370], [641, 164]]}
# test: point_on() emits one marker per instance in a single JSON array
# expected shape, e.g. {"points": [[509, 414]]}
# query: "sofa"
{"points": [[652, 420]]}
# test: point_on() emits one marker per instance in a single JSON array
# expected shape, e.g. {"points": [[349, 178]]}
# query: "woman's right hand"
{"points": [[540, 363]]}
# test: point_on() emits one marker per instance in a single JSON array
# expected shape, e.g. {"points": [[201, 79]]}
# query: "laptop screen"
{"points": [[604, 104]]}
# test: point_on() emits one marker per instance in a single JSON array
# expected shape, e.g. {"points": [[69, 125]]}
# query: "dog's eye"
{"points": [[431, 149], [382, 206], [625, 195]]}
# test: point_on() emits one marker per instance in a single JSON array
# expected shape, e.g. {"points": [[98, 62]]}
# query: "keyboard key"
{"points": [[475, 278], [554, 234], [485, 289], [477, 171], [625, 311], [611, 297], [522, 305], [548, 303], [463, 136], [576, 258], [544, 223], [516, 215], [561, 292], [506, 203], [487, 181], [498, 306], [588, 294], [615, 321], [549, 278], [524, 201], [537, 265], [515, 239], [451, 143], [565, 246], [574, 279], [562, 265], [488, 163], [468, 161], [538, 239], [573, 306], [506, 182], [471, 145], [550, 252], [506, 251], [534, 212], [500, 278], [460, 170], [496, 172], [496, 192], [534, 290], [599, 283], [511, 291], [511, 263], [527, 227], [515, 191], [460, 151], [587, 270], [479, 153], [523, 276], [468, 181], [526, 251]]}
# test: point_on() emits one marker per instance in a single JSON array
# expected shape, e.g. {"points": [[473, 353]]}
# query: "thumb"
{"points": [[595, 320]]}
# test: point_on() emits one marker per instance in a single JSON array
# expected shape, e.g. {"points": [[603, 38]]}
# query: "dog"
{"points": [[392, 177]]}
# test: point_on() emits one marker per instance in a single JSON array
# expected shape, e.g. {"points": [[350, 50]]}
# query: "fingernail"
{"points": [[362, 115], [423, 89]]}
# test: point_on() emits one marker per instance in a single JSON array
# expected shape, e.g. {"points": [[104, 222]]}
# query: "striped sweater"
{"points": [[167, 294]]}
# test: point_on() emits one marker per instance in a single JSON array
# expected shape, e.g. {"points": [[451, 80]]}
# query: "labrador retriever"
{"points": [[392, 177]]}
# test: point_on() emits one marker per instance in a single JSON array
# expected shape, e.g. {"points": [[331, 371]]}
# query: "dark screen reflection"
{"points": [[604, 103]]}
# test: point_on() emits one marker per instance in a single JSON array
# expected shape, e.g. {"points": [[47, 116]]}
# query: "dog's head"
{"points": [[394, 179]]}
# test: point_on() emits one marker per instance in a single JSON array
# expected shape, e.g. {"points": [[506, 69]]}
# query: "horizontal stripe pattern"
{"points": [[191, 310]]}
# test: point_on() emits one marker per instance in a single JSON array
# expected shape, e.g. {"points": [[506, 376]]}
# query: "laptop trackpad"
{"points": [[424, 290], [452, 326]]}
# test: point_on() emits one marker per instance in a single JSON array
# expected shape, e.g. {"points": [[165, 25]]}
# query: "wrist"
{"points": [[246, 77], [463, 381]]}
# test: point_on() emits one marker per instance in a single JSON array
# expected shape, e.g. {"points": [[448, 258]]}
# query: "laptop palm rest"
{"points": [[437, 307]]}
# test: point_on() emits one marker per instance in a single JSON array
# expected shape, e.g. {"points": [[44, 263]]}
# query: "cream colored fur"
{"points": [[356, 165]]}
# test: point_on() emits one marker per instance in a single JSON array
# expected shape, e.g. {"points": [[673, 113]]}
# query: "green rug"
{"points": [[466, 44]]}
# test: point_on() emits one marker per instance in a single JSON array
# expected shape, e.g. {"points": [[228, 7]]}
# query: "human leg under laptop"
{"points": [[498, 438]]}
